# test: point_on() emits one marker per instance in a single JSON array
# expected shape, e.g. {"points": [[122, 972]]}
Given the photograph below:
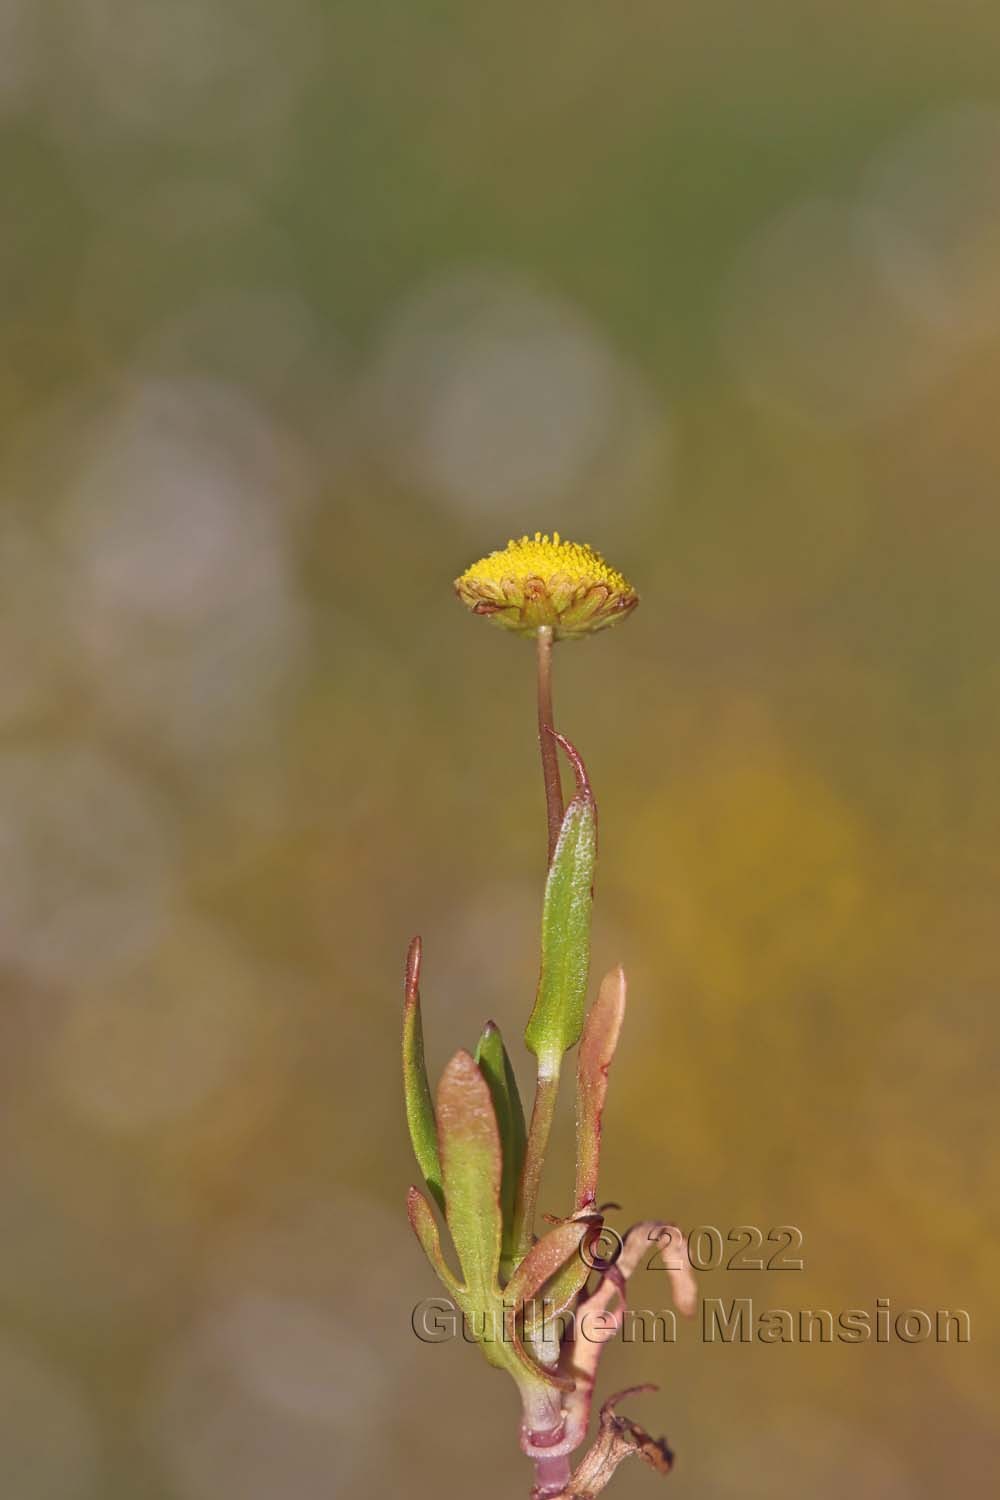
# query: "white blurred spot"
{"points": [[229, 72], [48, 1437], [269, 1397], [291, 1356], [35, 641], [934, 198], [173, 517], [839, 312], [504, 401], [812, 324], [85, 862], [176, 530], [161, 1039], [210, 691]]}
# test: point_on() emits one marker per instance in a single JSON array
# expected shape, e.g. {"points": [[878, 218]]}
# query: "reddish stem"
{"points": [[546, 738]]}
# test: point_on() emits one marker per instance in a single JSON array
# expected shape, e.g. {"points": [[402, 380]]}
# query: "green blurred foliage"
{"points": [[306, 307]]}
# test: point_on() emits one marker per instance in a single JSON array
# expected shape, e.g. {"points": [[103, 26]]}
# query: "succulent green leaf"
{"points": [[554, 1267], [547, 1257], [471, 1165], [600, 1038], [424, 1226], [495, 1066], [417, 1091], [557, 1294], [557, 1018]]}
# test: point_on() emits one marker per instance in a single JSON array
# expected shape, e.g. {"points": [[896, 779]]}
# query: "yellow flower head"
{"points": [[542, 581]]}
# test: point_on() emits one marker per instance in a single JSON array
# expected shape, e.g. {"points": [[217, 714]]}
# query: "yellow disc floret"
{"points": [[544, 580]]}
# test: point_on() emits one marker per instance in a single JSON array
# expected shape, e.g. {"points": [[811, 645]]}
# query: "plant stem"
{"points": [[542, 1114], [547, 1085], [544, 1422], [547, 745]]}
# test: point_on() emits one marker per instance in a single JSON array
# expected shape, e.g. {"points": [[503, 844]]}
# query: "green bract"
{"points": [[557, 1018]]}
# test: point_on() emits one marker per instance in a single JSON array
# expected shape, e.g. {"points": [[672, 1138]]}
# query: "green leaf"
{"points": [[557, 1018], [544, 1259], [495, 1066], [600, 1038], [469, 1144], [557, 1294], [423, 1224], [417, 1090], [554, 1266], [471, 1166]]}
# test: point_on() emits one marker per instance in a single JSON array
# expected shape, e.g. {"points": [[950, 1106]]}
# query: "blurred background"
{"points": [[305, 306]]}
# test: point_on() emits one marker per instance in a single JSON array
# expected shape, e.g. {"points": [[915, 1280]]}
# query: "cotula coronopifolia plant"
{"points": [[541, 1306]]}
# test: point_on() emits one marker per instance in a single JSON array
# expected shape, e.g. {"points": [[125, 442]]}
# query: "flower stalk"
{"points": [[546, 738]]}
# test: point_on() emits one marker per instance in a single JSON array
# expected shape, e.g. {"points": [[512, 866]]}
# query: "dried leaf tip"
{"points": [[583, 790], [414, 956]]}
